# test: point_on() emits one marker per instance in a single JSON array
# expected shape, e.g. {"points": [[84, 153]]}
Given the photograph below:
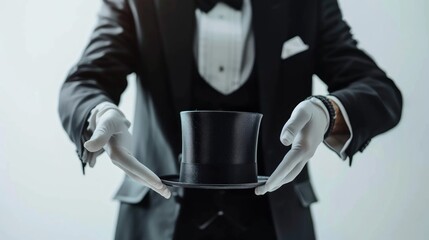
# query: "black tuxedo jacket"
{"points": [[154, 40]]}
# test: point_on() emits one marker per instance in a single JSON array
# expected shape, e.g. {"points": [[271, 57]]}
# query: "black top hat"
{"points": [[218, 150]]}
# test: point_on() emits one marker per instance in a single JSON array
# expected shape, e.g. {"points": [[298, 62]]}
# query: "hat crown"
{"points": [[219, 147]]}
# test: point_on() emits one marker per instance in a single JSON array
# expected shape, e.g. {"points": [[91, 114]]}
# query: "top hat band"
{"points": [[218, 174]]}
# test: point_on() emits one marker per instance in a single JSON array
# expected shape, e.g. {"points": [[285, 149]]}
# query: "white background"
{"points": [[43, 194]]}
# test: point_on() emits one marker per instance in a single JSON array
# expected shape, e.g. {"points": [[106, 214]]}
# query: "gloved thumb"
{"points": [[99, 138], [299, 118]]}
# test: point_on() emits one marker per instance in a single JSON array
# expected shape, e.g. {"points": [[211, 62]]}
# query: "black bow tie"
{"points": [[207, 5]]}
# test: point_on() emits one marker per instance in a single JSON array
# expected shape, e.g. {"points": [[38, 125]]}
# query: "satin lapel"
{"points": [[269, 27], [177, 23]]}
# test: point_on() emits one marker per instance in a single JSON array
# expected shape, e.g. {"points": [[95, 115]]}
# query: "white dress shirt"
{"points": [[224, 46]]}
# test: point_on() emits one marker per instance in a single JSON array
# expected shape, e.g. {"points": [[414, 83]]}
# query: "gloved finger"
{"points": [[164, 191], [289, 162], [280, 173], [291, 176], [98, 140], [291, 159], [293, 126], [261, 190], [92, 162], [122, 157]]}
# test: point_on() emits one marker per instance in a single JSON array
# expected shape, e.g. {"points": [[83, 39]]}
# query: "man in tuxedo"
{"points": [[241, 55]]}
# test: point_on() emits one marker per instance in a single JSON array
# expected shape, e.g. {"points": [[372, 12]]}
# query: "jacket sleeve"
{"points": [[371, 100], [101, 73]]}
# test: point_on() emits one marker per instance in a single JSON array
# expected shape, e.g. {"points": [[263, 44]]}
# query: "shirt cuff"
{"points": [[339, 143]]}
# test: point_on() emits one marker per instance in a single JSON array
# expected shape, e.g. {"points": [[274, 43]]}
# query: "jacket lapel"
{"points": [[269, 29], [177, 24]]}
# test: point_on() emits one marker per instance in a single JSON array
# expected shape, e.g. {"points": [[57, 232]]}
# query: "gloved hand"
{"points": [[110, 131], [305, 130]]}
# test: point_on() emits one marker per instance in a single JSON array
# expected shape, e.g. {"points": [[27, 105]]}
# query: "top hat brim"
{"points": [[173, 181]]}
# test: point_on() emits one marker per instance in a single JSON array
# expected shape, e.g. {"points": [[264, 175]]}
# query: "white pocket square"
{"points": [[293, 46]]}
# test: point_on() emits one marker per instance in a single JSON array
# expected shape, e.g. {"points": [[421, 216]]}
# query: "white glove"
{"points": [[111, 133], [305, 130]]}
